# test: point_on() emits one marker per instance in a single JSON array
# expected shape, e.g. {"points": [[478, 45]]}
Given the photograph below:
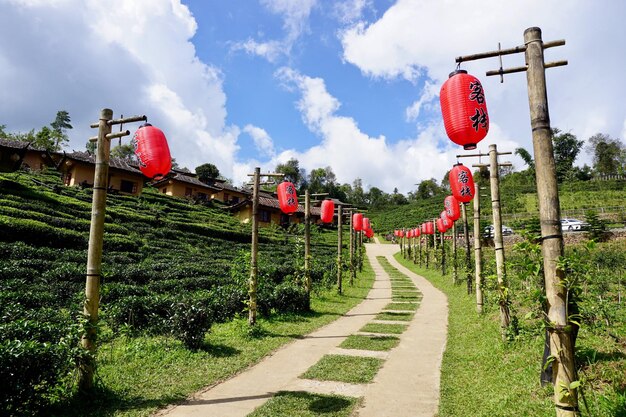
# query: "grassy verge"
{"points": [[138, 375], [343, 368], [304, 404], [481, 376], [363, 342]]}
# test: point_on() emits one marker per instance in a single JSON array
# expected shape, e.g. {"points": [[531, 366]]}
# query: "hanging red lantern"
{"points": [[327, 211], [446, 220], [461, 183], [464, 109], [409, 234], [417, 232], [430, 228], [366, 223], [451, 206], [152, 151], [440, 226], [357, 221], [369, 233], [287, 197]]}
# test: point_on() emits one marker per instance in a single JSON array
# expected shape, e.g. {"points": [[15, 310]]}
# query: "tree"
{"points": [[376, 197], [357, 197], [47, 139], [609, 154], [322, 180], [59, 126], [207, 173], [125, 152], [445, 181], [526, 157], [292, 171], [428, 189], [566, 149], [398, 198]]}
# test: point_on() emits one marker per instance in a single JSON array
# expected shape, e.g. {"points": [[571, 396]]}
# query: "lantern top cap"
{"points": [[144, 125], [458, 164], [455, 72]]}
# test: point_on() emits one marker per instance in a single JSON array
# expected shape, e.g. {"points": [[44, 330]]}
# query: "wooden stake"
{"points": [[494, 182], [561, 338], [94, 251], [455, 273], [339, 245], [254, 269], [443, 255], [352, 270], [478, 256], [468, 256], [307, 243]]}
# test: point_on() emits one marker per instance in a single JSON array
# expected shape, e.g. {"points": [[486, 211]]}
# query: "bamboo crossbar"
{"points": [[141, 118], [111, 136], [509, 51], [524, 68]]}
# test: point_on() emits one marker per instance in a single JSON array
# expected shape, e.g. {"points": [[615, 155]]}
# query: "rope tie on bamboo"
{"points": [[551, 237], [99, 188], [93, 275], [567, 407], [502, 248]]}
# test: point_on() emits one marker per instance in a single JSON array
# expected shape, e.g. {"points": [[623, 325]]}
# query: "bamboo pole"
{"points": [[561, 337], [254, 268], [443, 255], [455, 273], [361, 251], [434, 243], [494, 182], [420, 249], [94, 251], [339, 245], [307, 242], [478, 256], [468, 256], [352, 270]]}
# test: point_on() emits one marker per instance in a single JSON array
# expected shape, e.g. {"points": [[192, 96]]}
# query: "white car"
{"points": [[573, 224], [506, 231]]}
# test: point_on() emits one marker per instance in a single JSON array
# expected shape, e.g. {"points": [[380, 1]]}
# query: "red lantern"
{"points": [[445, 220], [328, 211], [440, 226], [357, 221], [369, 233], [152, 151], [366, 223], [451, 205], [461, 183], [417, 232], [287, 197], [430, 228], [464, 109], [409, 234]]}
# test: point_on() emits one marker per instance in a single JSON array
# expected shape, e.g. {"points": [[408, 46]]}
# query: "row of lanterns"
{"points": [[463, 190], [288, 202]]}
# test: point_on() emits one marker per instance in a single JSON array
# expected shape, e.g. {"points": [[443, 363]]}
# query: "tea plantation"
{"points": [[170, 267]]}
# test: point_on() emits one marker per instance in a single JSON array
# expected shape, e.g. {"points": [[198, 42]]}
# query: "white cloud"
{"points": [[262, 140], [133, 57], [429, 92], [295, 14], [350, 11]]}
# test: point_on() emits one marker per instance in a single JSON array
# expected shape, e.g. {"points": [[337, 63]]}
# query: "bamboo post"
{"points": [[468, 256], [434, 243], [254, 269], [420, 249], [339, 245], [361, 251], [443, 255], [455, 274], [307, 242], [478, 256], [94, 251], [559, 326], [415, 239], [352, 270], [494, 181]]}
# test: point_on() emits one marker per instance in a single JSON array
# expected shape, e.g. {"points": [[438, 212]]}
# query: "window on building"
{"points": [[234, 200], [164, 190], [226, 197], [128, 186], [188, 191], [265, 216]]}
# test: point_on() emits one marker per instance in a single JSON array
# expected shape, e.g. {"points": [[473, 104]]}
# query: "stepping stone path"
{"points": [[407, 383]]}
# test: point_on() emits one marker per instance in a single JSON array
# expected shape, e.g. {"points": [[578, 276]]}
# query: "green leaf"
{"points": [[574, 384]]}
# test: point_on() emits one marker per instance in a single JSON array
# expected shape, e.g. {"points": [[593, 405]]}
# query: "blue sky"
{"points": [[351, 84]]}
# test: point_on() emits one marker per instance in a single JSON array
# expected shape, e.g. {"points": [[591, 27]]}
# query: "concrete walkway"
{"points": [[406, 385]]}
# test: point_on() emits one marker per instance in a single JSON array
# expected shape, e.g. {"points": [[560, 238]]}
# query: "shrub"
{"points": [[290, 298], [189, 320], [139, 313]]}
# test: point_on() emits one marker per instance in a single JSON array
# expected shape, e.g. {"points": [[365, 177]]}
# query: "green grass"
{"points": [[406, 297], [383, 328], [304, 404], [139, 375], [402, 306], [343, 368], [370, 342], [389, 315]]}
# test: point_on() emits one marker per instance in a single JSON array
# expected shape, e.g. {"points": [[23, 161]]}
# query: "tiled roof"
{"points": [[188, 179], [117, 163], [19, 144]]}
